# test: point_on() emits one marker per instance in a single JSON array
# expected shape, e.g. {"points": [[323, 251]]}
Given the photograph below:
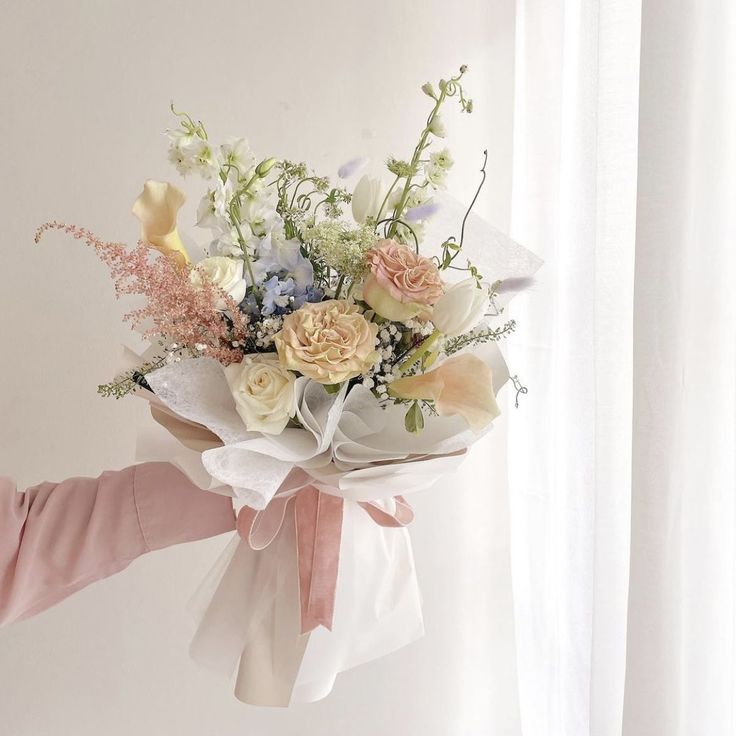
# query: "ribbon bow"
{"points": [[318, 512]]}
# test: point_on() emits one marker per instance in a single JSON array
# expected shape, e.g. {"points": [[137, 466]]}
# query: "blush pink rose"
{"points": [[402, 284]]}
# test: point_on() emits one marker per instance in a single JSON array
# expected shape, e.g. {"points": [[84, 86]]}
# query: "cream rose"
{"points": [[460, 308], [157, 207], [459, 385], [401, 284], [263, 391], [330, 342], [225, 273]]}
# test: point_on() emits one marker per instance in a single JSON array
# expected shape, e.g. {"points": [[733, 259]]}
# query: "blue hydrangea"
{"points": [[276, 295]]}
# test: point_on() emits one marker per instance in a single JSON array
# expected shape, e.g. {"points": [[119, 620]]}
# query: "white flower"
{"points": [[442, 159], [435, 174], [367, 198], [258, 211], [226, 244], [263, 392], [237, 157], [213, 208], [460, 308], [227, 273], [190, 153]]}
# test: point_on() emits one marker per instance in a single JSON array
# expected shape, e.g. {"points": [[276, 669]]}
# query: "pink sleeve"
{"points": [[58, 537]]}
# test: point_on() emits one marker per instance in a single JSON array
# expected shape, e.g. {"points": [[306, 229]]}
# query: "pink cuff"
{"points": [[171, 509]]}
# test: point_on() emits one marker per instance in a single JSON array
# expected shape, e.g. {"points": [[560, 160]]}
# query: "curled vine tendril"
{"points": [[520, 389]]}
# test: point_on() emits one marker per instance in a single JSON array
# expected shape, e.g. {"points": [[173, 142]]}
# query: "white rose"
{"points": [[263, 392], [367, 198], [227, 273], [460, 308]]}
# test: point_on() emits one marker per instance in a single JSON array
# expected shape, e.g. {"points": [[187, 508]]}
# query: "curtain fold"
{"points": [[574, 202], [682, 612], [621, 461]]}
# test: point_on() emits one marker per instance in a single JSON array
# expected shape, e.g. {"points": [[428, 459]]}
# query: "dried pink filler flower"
{"points": [[180, 311]]}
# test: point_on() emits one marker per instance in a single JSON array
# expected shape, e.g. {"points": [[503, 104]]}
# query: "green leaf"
{"points": [[332, 388], [414, 419]]}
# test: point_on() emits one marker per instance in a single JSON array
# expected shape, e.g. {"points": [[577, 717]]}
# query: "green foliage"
{"points": [[414, 419]]}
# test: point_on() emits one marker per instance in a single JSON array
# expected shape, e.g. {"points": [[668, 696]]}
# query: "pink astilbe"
{"points": [[178, 310]]}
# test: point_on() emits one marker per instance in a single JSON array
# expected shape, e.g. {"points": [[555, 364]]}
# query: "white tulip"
{"points": [[224, 272], [367, 198], [460, 308], [263, 391]]}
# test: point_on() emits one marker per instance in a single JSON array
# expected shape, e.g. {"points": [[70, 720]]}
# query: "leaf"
{"points": [[414, 419]]}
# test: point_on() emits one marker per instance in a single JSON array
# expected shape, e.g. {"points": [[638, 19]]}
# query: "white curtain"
{"points": [[622, 456]]}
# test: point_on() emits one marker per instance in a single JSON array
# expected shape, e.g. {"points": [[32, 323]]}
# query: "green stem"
{"points": [[243, 246], [449, 89], [338, 288], [420, 351], [385, 199]]}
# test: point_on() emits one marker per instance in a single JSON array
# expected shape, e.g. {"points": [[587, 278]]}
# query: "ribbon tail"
{"points": [[318, 533]]}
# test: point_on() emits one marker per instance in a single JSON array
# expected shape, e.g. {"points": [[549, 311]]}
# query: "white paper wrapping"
{"points": [[248, 612], [248, 607]]}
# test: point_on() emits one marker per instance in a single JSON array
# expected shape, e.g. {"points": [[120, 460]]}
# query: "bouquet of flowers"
{"points": [[328, 356]]}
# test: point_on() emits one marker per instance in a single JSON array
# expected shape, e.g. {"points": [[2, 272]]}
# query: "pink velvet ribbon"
{"points": [[318, 516]]}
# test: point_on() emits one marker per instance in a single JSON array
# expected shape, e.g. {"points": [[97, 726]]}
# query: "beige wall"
{"points": [[84, 92]]}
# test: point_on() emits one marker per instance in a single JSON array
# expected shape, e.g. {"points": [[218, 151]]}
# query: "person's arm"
{"points": [[58, 537]]}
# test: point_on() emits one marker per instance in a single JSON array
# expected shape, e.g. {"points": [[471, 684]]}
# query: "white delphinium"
{"points": [[258, 210], [213, 208], [192, 154], [440, 162], [238, 161], [226, 243]]}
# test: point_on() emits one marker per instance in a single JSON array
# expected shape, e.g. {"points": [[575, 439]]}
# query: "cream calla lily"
{"points": [[460, 385], [157, 207]]}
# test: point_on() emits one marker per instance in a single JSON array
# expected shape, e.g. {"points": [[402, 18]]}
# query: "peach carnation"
{"points": [[329, 342]]}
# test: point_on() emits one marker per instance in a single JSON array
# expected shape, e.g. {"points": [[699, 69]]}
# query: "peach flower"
{"points": [[401, 284], [329, 342], [459, 385], [157, 207]]}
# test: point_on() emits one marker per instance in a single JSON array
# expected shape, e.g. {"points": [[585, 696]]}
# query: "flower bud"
{"points": [[428, 90], [265, 166], [460, 308], [437, 127], [367, 198]]}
